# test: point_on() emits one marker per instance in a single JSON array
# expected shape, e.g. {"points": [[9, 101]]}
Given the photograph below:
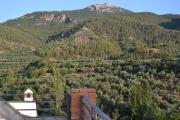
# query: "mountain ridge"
{"points": [[130, 31], [97, 8], [105, 8]]}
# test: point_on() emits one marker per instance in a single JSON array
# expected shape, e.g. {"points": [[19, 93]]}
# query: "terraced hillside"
{"points": [[11, 39], [113, 37], [121, 85]]}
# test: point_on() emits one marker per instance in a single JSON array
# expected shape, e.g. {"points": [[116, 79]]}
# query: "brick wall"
{"points": [[76, 107]]}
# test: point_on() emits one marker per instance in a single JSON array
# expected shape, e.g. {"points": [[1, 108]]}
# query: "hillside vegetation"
{"points": [[132, 59], [138, 90], [133, 38], [11, 39]]}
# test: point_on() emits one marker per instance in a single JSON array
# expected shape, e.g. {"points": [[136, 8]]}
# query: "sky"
{"points": [[11, 9]]}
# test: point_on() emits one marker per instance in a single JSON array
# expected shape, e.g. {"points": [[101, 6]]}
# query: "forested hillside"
{"points": [[11, 39], [167, 21], [138, 90], [136, 35], [113, 37]]}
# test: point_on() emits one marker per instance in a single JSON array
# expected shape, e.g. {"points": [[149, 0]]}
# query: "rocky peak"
{"points": [[104, 8], [50, 17]]}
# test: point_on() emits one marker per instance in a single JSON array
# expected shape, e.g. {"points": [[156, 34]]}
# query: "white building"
{"points": [[27, 107], [28, 95]]}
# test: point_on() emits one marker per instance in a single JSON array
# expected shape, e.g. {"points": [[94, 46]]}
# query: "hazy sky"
{"points": [[10, 9]]}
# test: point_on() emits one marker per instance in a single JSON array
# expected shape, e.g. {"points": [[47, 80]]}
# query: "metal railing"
{"points": [[91, 111]]}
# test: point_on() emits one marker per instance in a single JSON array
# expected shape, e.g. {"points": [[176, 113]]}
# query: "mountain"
{"points": [[143, 35], [106, 8], [43, 24], [37, 19]]}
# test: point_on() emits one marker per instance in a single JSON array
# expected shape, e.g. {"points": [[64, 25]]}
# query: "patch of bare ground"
{"points": [[77, 74]]}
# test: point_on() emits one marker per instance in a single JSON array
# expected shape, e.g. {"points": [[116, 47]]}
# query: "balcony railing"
{"points": [[91, 111]]}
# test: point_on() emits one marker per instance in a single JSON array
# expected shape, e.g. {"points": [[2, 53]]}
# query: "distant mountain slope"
{"points": [[168, 21], [11, 39], [133, 33], [174, 23], [42, 24], [150, 17], [136, 34], [133, 36], [44, 18]]}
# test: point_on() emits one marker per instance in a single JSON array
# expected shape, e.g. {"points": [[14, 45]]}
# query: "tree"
{"points": [[10, 80], [141, 100], [58, 91]]}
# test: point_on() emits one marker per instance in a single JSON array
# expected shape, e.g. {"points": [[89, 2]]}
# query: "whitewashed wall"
{"points": [[23, 107]]}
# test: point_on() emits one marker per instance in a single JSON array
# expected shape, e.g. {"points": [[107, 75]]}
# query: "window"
{"points": [[28, 95]]}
